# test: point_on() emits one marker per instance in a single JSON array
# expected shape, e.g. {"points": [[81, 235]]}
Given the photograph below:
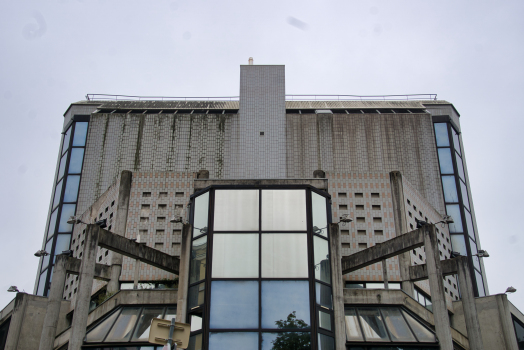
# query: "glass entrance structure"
{"points": [[260, 273]]}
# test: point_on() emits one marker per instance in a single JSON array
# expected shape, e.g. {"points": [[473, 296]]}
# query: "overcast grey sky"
{"points": [[54, 52]]}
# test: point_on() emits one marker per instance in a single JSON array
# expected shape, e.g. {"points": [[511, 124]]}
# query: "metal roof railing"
{"points": [[110, 97]]}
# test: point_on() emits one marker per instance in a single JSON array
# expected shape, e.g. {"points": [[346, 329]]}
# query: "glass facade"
{"points": [[260, 274], [462, 231], [65, 196]]}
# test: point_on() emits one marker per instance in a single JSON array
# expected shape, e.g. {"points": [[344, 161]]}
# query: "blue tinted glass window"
{"points": [[52, 224], [234, 304], [323, 295], [285, 304], [453, 210], [65, 143], [519, 331], [197, 262], [71, 190], [41, 283], [441, 134], [325, 342], [474, 251], [61, 168], [62, 244], [460, 168], [444, 158], [75, 163], [450, 189], [68, 210], [58, 192], [480, 284], [45, 261], [465, 197], [286, 340], [80, 134], [321, 255], [318, 204], [456, 142], [469, 224], [458, 243], [233, 340]]}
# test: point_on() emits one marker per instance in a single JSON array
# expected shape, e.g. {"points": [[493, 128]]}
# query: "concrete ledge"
{"points": [[420, 272], [102, 272], [321, 184]]}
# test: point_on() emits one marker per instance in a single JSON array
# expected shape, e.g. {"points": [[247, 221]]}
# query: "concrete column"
{"points": [[508, 330], [183, 277], [85, 286], [56, 293], [385, 274], [337, 287], [436, 285], [401, 227], [17, 319], [124, 192], [137, 274], [468, 304]]}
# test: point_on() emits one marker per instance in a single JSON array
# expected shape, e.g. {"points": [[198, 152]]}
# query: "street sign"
{"points": [[159, 333]]}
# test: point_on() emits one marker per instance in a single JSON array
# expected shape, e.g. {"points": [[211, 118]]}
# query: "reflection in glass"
{"points": [[446, 164], [41, 283], [233, 340], [195, 296], [372, 324], [61, 168], [62, 244], [71, 190], [144, 322], [453, 210], [196, 322], [458, 243], [324, 320], [45, 260], [456, 142], [421, 332], [238, 296], [465, 197], [321, 255], [476, 260], [460, 168], [519, 331], [469, 224], [286, 340], [325, 342], [353, 332], [480, 284], [197, 264], [371, 285], [441, 134], [201, 214], [80, 134], [285, 304], [323, 295], [235, 255], [284, 210], [195, 342], [284, 255], [58, 192], [65, 143], [68, 210], [170, 313], [450, 189], [318, 207], [75, 162], [98, 333], [236, 210], [397, 326], [123, 327], [52, 224]]}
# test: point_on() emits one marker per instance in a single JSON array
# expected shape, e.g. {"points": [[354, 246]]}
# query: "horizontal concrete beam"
{"points": [[139, 251], [102, 272], [200, 184], [381, 251], [420, 272]]}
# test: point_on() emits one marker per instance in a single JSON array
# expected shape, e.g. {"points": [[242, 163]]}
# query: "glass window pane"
{"points": [[465, 197], [68, 210], [80, 134], [469, 224], [371, 285], [474, 251], [65, 143], [71, 190], [397, 326], [324, 320], [441, 134], [322, 266], [285, 304], [318, 205], [236, 210], [422, 333], [58, 192], [98, 333], [233, 340], [450, 189], [284, 255], [394, 285], [61, 168], [144, 321], [52, 224], [460, 168], [458, 243], [353, 332], [62, 243], [75, 162], [195, 342], [195, 296], [456, 142], [45, 260], [286, 340], [196, 322], [444, 158], [323, 295], [197, 268], [41, 283], [234, 304], [325, 342], [170, 313], [284, 210], [372, 324], [453, 210], [123, 327], [519, 332], [235, 255], [354, 285], [201, 214], [480, 284]]}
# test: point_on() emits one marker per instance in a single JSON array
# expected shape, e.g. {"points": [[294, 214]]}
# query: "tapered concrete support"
{"points": [[385, 274], [124, 192], [137, 274], [56, 293], [401, 227], [183, 277], [436, 285], [85, 285], [468, 305], [337, 287]]}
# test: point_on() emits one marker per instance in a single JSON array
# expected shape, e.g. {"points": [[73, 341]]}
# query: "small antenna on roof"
{"points": [[250, 61]]}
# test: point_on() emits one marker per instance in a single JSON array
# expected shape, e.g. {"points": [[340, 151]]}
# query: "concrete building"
{"points": [[300, 222]]}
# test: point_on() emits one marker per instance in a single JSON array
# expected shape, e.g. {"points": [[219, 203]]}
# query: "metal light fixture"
{"points": [[102, 223], [455, 255], [510, 290], [67, 252], [482, 254], [421, 223], [345, 219], [73, 220], [446, 219], [13, 289], [41, 253]]}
